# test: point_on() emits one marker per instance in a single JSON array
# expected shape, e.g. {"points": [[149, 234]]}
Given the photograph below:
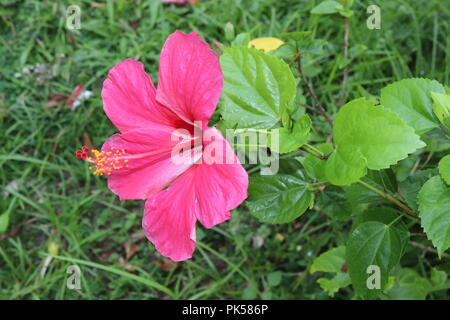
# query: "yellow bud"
{"points": [[279, 237], [52, 248]]}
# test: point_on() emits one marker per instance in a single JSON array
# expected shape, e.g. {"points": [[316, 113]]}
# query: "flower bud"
{"points": [[229, 32]]}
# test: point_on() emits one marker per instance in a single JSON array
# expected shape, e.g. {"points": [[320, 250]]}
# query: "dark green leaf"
{"points": [[372, 244], [279, 198]]}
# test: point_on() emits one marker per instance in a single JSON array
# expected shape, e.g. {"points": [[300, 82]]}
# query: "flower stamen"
{"points": [[105, 162]]}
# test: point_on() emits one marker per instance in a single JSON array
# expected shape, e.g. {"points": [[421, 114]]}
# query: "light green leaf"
{"points": [[411, 100], [441, 107], [345, 12], [372, 244], [295, 35], [257, 88], [438, 277], [274, 278], [367, 136], [331, 286], [4, 221], [409, 285], [242, 39], [345, 166], [249, 293], [434, 211], [314, 166], [278, 198], [444, 168], [327, 7], [329, 261], [290, 141]]}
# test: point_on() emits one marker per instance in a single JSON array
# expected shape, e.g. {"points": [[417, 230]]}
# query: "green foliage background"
{"points": [[52, 200]]}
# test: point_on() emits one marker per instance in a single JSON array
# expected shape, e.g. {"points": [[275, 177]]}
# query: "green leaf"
{"points": [[436, 141], [345, 167], [331, 286], [329, 261], [411, 100], [367, 136], [314, 166], [334, 203], [4, 221], [249, 293], [327, 7], [291, 167], [347, 13], [242, 39], [257, 88], [274, 278], [438, 277], [444, 168], [409, 285], [434, 211], [441, 107], [410, 188], [387, 216], [372, 244], [290, 141], [384, 178], [279, 198], [295, 35], [358, 195], [332, 261]]}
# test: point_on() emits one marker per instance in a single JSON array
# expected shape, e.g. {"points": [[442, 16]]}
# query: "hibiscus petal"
{"points": [[220, 180], [129, 98], [145, 162], [169, 219], [190, 79], [207, 191]]}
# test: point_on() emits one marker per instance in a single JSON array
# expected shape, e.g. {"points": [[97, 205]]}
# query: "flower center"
{"points": [[105, 162]]}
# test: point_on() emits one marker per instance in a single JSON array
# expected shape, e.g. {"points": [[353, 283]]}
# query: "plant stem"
{"points": [[316, 101], [388, 197], [345, 77], [314, 151], [428, 249], [319, 154]]}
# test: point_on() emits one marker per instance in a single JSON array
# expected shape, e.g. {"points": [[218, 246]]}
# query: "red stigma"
{"points": [[82, 154]]}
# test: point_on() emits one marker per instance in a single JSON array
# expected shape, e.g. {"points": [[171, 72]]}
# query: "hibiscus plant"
{"points": [[244, 126]]}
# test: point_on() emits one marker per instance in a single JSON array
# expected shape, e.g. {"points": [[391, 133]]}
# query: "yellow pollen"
{"points": [[104, 165]]}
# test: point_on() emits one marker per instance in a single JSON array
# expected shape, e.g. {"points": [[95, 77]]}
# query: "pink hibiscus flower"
{"points": [[164, 141]]}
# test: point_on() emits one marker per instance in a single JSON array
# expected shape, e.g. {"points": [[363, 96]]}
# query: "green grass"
{"points": [[57, 200]]}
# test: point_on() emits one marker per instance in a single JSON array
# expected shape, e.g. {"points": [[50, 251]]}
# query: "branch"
{"points": [[311, 89], [317, 153], [345, 77], [390, 198], [427, 249]]}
